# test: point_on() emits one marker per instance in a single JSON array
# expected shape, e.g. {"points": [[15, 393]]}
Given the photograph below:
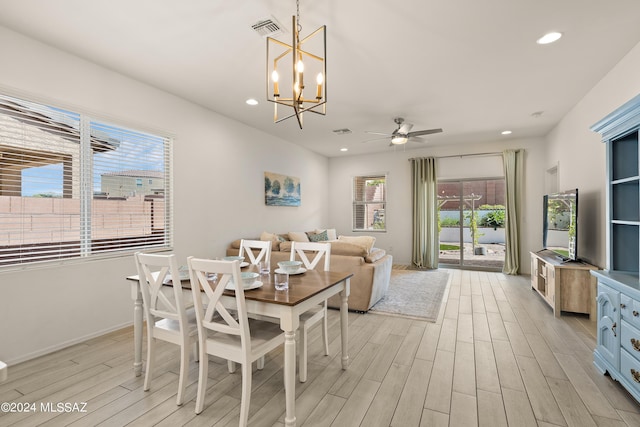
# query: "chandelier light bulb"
{"points": [[300, 66], [276, 89], [319, 80]]}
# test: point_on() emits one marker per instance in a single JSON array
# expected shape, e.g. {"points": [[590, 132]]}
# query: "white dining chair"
{"points": [[166, 312], [247, 246], [229, 335], [314, 315]]}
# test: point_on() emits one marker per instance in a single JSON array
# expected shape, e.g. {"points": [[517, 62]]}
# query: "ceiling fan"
{"points": [[402, 134]]}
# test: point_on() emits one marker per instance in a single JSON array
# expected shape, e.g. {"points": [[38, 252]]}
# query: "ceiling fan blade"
{"points": [[417, 139], [375, 139], [424, 132], [377, 133]]}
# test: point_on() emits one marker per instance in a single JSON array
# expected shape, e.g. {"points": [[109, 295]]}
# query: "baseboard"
{"points": [[65, 344]]}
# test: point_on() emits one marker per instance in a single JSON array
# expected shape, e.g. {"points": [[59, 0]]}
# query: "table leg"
{"points": [[290, 377], [137, 332], [344, 324]]}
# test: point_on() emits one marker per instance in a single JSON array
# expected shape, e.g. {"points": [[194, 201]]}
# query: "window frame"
{"points": [[91, 249], [356, 203]]}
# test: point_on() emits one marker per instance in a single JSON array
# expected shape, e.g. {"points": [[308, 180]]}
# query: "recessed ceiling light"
{"points": [[506, 132], [344, 149], [251, 101], [549, 38]]}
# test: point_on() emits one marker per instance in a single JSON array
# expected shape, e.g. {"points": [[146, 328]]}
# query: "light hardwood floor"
{"points": [[495, 357]]}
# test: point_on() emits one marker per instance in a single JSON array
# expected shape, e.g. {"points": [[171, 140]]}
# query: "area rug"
{"points": [[414, 294]]}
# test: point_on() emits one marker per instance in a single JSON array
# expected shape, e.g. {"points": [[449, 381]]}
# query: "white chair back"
{"points": [[302, 249], [216, 317], [168, 316], [263, 255], [224, 335], [154, 272]]}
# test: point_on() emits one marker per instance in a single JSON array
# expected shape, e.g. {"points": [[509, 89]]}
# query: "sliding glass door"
{"points": [[471, 223]]}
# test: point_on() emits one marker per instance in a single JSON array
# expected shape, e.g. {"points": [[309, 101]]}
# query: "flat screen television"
{"points": [[560, 234]]}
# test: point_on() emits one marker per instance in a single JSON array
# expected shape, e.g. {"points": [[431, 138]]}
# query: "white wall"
{"points": [[219, 167], [397, 238], [580, 153]]}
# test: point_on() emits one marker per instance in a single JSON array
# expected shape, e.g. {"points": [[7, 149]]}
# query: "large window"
{"points": [[369, 203], [72, 187]]}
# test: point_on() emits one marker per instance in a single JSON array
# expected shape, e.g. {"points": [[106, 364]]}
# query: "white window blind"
{"points": [[369, 203], [69, 186]]}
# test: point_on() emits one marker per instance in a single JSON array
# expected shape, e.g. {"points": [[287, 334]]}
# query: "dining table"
{"points": [[306, 290]]}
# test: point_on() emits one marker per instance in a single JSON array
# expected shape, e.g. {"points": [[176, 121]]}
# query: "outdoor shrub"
{"points": [[450, 222], [493, 219]]}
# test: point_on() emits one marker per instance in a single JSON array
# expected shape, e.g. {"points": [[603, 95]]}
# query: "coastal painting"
{"points": [[281, 190]]}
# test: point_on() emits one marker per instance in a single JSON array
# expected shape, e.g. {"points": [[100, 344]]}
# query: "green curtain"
{"points": [[513, 172], [424, 187]]}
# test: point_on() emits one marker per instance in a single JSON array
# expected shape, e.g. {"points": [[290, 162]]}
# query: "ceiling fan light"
{"points": [[399, 139]]}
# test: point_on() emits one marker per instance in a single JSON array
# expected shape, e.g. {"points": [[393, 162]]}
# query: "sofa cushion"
{"points": [[274, 238], [345, 248], [318, 237], [365, 242], [337, 248], [298, 236], [285, 246]]}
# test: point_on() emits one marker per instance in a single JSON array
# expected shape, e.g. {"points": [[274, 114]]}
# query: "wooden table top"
{"points": [[301, 286]]}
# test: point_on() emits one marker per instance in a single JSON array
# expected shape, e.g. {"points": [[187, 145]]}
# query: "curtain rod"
{"points": [[461, 155]]}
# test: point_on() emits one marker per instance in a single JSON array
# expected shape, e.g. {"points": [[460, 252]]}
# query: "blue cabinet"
{"points": [[618, 302]]}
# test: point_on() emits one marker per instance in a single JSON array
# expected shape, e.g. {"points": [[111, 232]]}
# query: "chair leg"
{"points": [[325, 335], [260, 363], [246, 395], [302, 359], [195, 351], [231, 366], [150, 357], [184, 371], [203, 371]]}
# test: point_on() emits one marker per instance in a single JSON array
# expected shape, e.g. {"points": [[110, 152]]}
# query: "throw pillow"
{"points": [[331, 233], [298, 236], [366, 242], [319, 237]]}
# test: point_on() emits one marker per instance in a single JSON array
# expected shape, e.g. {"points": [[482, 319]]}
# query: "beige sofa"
{"points": [[371, 271]]}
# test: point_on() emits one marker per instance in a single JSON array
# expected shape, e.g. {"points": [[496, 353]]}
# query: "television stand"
{"points": [[565, 286]]}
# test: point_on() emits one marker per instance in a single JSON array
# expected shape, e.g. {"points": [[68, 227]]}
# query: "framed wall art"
{"points": [[281, 190]]}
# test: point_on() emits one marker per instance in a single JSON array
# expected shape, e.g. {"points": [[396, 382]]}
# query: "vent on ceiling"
{"points": [[342, 131], [267, 27]]}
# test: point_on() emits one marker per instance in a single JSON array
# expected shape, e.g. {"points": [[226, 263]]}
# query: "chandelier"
{"points": [[286, 69]]}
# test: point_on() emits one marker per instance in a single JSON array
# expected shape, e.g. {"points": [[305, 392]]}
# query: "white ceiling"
{"points": [[470, 67]]}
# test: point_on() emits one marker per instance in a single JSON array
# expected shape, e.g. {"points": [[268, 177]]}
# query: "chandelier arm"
{"points": [[316, 57], [280, 43]]}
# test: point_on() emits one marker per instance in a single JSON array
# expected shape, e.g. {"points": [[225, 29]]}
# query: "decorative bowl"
{"points": [[290, 266], [248, 278], [233, 258]]}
